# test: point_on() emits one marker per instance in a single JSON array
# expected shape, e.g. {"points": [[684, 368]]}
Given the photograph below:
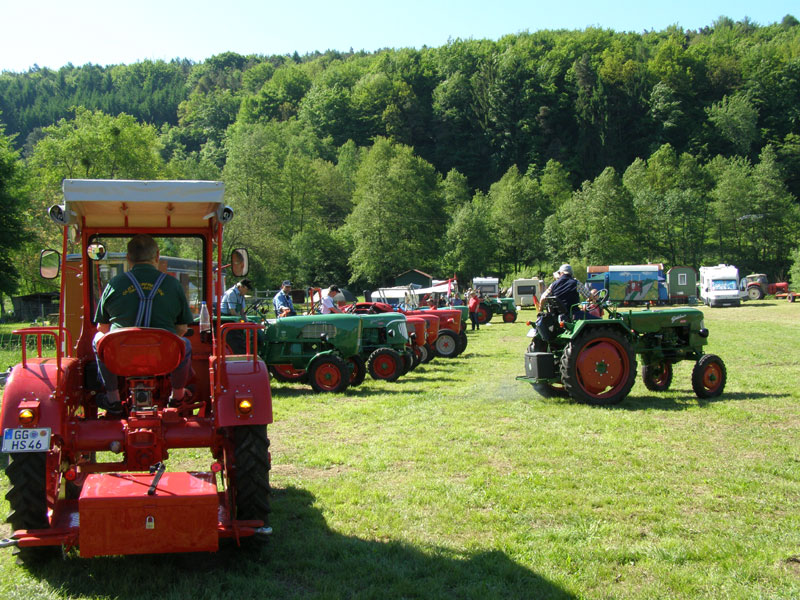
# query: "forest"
{"points": [[480, 157]]}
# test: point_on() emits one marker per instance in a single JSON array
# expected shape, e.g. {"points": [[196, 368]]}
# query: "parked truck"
{"points": [[719, 286]]}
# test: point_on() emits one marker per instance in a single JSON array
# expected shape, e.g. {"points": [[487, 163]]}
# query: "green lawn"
{"points": [[459, 482]]}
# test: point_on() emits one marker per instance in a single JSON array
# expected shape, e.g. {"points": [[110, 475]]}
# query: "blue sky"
{"points": [[52, 33]]}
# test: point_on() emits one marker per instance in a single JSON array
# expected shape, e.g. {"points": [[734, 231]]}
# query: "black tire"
{"points": [[755, 293], [329, 373], [430, 354], [385, 364], [709, 376], [27, 497], [598, 367], [658, 376], [463, 337], [484, 313], [358, 370], [509, 317], [423, 356], [447, 344], [251, 472], [409, 360]]}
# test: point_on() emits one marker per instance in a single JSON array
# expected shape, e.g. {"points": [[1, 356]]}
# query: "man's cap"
{"points": [[565, 268], [247, 283], [286, 282], [333, 288]]}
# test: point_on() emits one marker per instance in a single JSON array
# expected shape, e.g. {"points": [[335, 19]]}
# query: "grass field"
{"points": [[459, 482]]}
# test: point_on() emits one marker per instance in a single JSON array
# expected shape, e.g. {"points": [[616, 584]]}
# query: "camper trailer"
{"points": [[526, 292], [489, 287], [719, 286]]}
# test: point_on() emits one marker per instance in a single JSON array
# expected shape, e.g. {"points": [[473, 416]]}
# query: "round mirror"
{"points": [[96, 251]]}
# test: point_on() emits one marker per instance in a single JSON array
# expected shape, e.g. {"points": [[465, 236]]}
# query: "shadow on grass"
{"points": [[303, 559], [657, 402]]}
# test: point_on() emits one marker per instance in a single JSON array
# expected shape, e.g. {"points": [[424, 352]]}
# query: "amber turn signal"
{"points": [[27, 416]]}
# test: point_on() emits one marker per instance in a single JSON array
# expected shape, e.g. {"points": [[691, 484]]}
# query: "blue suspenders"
{"points": [[145, 302]]}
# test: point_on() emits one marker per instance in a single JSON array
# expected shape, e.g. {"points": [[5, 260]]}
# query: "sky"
{"points": [[52, 33]]}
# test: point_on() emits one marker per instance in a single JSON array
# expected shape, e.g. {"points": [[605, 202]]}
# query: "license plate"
{"points": [[26, 440]]}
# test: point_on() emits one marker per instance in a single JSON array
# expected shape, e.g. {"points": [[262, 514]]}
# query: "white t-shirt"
{"points": [[327, 305]]}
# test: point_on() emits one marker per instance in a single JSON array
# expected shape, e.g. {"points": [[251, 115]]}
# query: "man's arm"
{"points": [[104, 327], [181, 330]]}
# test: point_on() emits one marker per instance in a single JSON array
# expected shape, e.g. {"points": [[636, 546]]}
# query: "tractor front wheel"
{"points": [[27, 496], [386, 364], [430, 354], [598, 367], [422, 354], [251, 472], [509, 317], [709, 376], [329, 374], [447, 344], [462, 336], [658, 376], [358, 370]]}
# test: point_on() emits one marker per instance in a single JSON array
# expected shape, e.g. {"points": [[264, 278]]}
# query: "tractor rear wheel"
{"points": [[447, 344], [385, 363], [358, 370], [658, 376], [329, 373], [598, 367], [755, 293], [484, 313], [709, 376], [509, 317], [27, 497], [251, 472]]}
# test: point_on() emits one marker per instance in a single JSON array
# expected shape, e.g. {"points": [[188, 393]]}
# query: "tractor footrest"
{"points": [[540, 365], [118, 516]]}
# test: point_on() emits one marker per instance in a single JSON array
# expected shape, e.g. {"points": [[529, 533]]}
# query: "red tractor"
{"points": [[757, 286], [96, 480]]}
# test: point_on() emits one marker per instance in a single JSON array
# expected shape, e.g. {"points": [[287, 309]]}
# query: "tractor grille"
{"points": [[314, 330]]}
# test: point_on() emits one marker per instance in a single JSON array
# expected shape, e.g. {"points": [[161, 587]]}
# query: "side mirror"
{"points": [[49, 264], [96, 251], [240, 262]]}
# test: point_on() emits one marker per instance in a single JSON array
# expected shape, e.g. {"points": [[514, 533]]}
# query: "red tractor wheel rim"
{"points": [[660, 374], [288, 371], [602, 367], [483, 314], [712, 377], [328, 376], [385, 366], [508, 317]]}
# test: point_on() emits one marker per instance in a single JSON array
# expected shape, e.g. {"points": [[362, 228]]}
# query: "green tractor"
{"points": [[594, 360], [319, 349], [489, 307], [385, 348]]}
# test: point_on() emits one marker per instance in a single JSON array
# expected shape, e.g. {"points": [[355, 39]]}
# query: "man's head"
{"points": [[245, 285], [332, 291], [286, 286], [565, 269], [143, 248]]}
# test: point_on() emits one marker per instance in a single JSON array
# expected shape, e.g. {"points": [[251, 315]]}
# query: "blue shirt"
{"points": [[233, 302], [282, 300]]}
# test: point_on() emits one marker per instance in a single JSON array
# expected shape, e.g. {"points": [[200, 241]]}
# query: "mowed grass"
{"points": [[459, 482]]}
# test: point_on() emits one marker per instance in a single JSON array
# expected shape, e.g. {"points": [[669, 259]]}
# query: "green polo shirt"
{"points": [[119, 303]]}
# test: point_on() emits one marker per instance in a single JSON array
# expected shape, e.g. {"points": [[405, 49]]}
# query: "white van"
{"points": [[719, 286], [524, 290]]}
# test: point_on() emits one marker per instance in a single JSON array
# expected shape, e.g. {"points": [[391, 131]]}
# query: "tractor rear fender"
{"points": [[34, 386], [244, 380], [585, 324]]}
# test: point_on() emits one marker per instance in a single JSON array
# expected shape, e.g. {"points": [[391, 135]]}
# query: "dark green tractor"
{"points": [[385, 347], [489, 307], [594, 360], [318, 349]]}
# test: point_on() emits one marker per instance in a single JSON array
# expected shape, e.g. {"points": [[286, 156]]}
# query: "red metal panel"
{"points": [[117, 516], [245, 379]]}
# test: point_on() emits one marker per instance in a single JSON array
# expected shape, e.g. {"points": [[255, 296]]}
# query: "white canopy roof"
{"points": [[106, 202]]}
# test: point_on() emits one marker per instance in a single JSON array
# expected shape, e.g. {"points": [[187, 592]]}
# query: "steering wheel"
{"points": [[257, 308]]}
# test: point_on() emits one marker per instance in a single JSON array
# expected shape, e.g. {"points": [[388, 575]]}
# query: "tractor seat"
{"points": [[141, 351]]}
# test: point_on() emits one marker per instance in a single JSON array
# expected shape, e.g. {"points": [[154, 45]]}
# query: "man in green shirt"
{"points": [[143, 297]]}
